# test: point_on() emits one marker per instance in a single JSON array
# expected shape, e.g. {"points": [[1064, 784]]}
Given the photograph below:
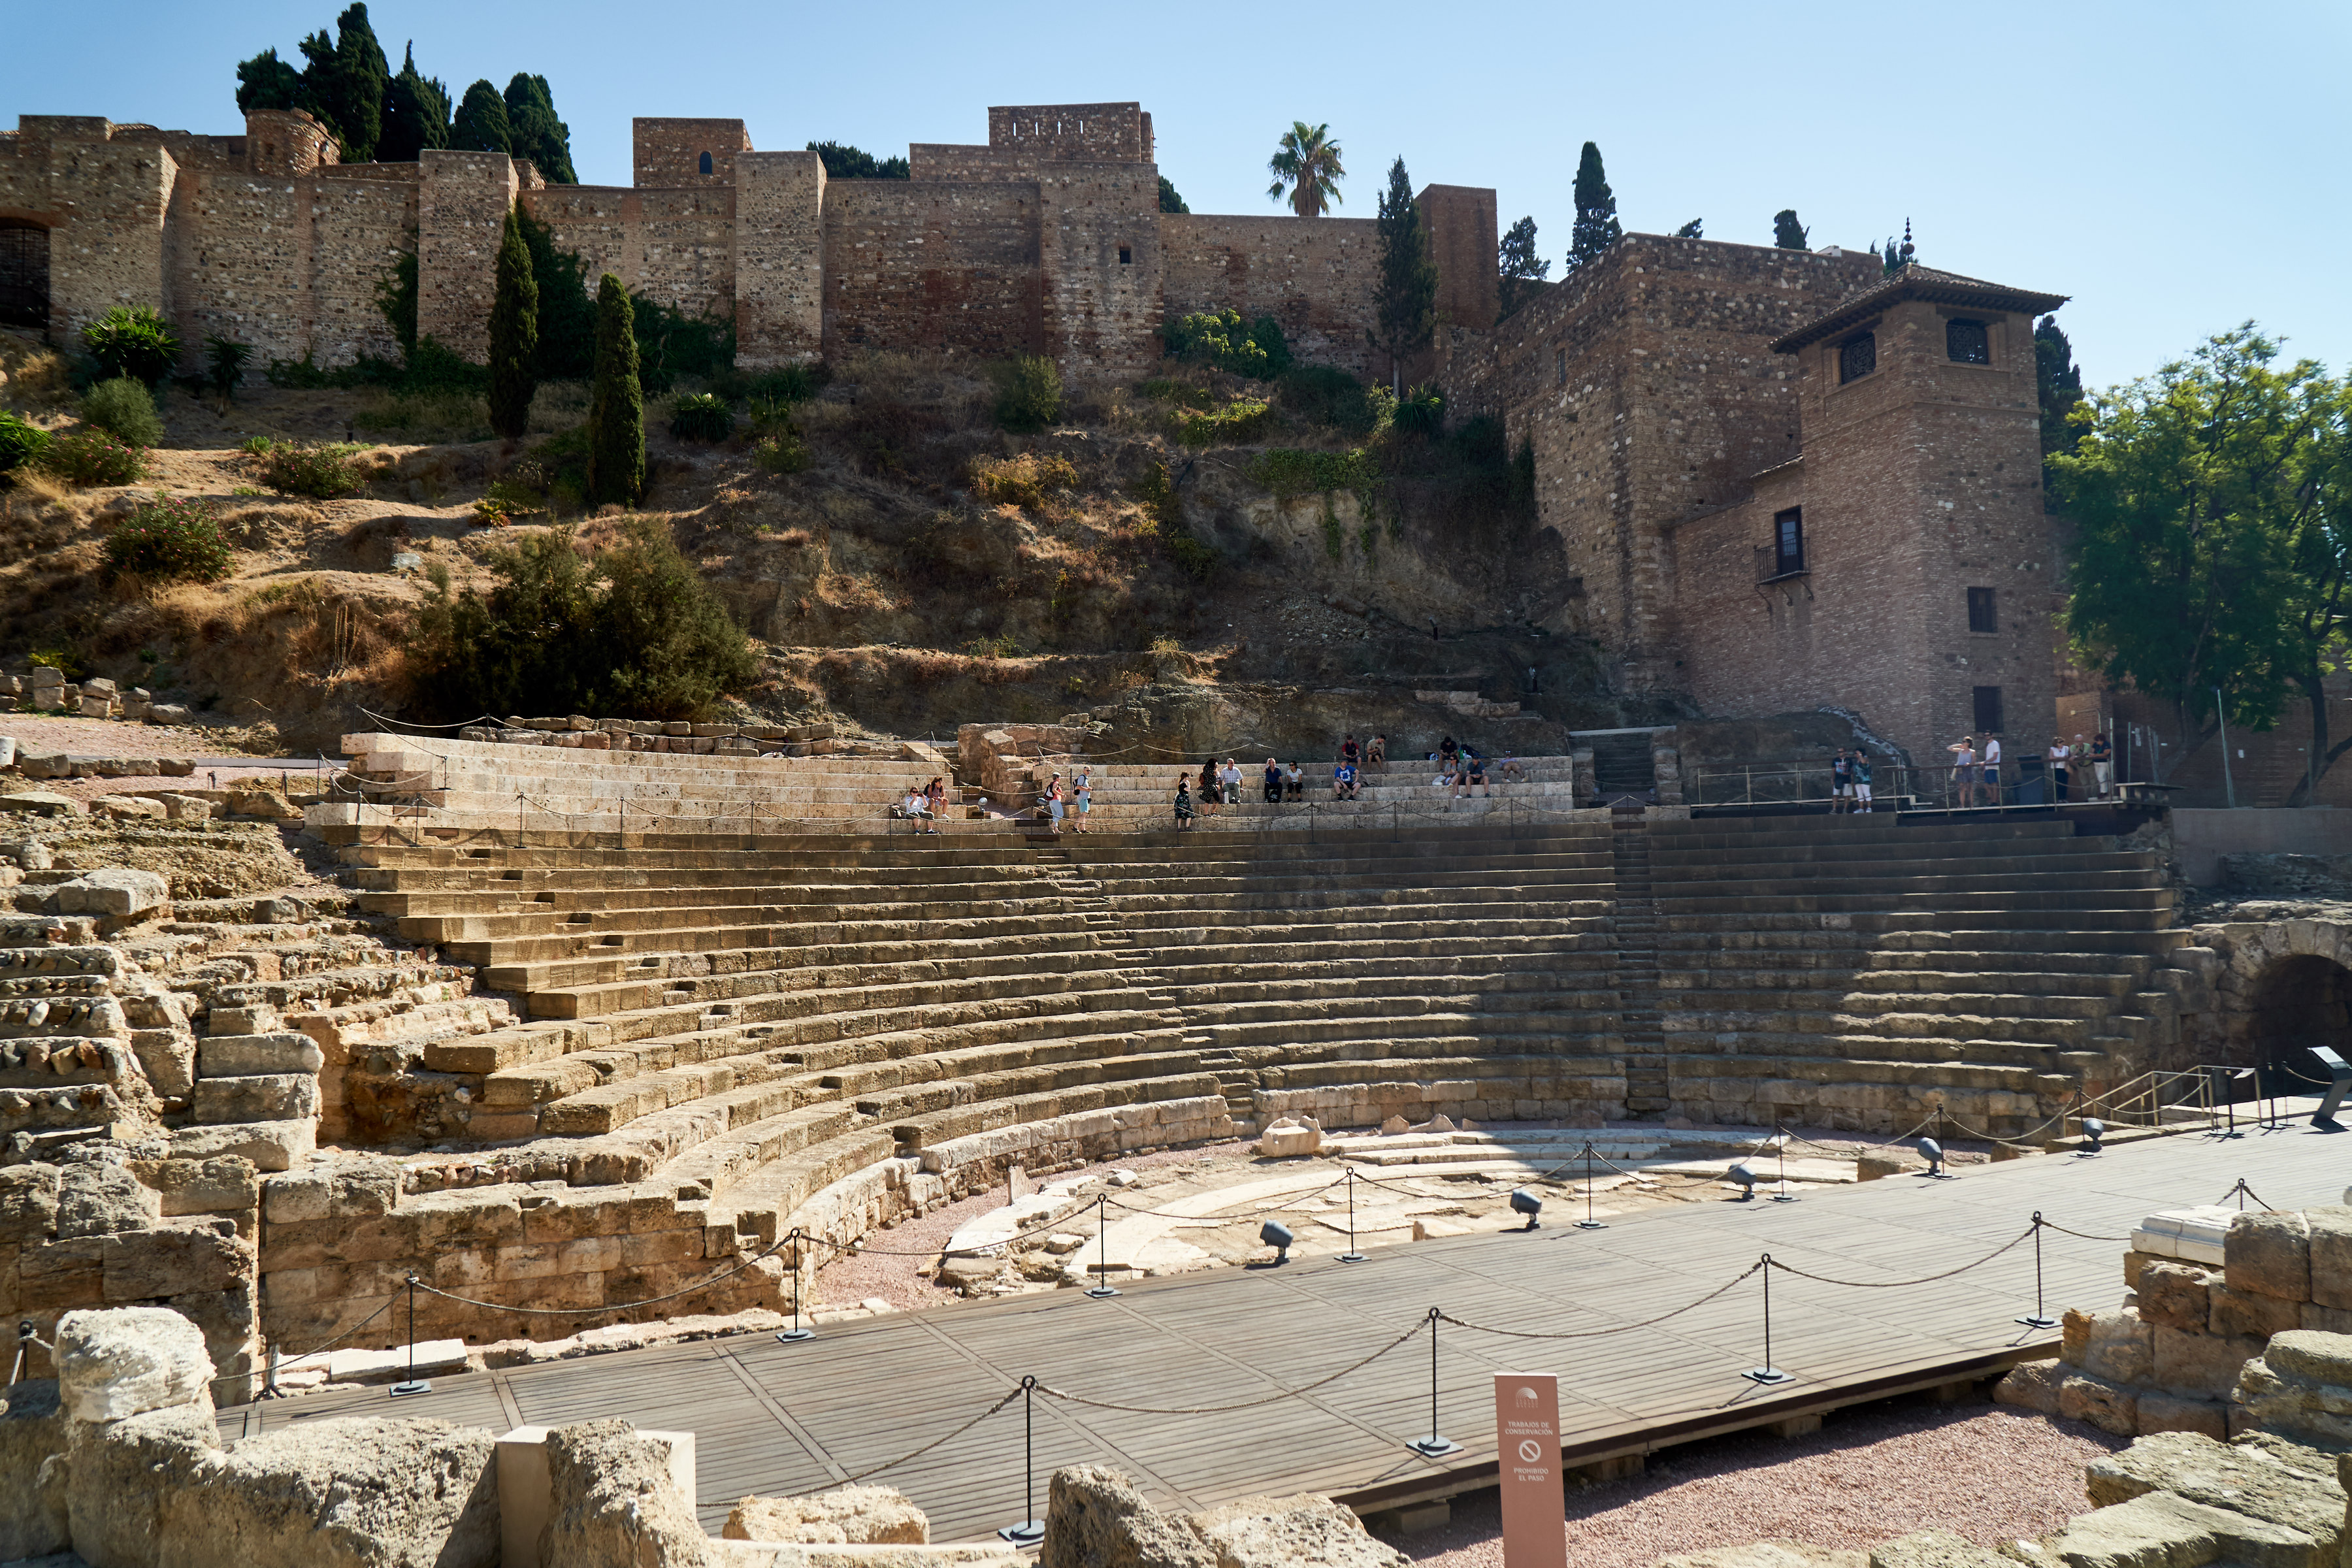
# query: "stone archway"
{"points": [[2295, 1003], [24, 273]]}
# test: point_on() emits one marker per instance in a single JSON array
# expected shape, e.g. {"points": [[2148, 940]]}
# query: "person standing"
{"points": [[1861, 785], [1054, 803], [2102, 759], [2059, 753], [1992, 770], [1209, 787], [1085, 792], [1183, 802], [1964, 771], [1841, 782]]}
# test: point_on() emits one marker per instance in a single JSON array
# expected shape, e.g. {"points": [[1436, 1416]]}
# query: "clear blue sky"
{"points": [[2174, 167]]}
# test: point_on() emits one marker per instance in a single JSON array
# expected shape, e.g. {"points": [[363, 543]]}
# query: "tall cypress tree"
{"points": [[2060, 380], [1596, 211], [514, 334], [1787, 234], [415, 114], [343, 83], [535, 132], [1404, 300], [481, 125], [616, 409], [1522, 271]]}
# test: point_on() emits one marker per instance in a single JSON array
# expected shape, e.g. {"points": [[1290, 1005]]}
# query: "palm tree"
{"points": [[1307, 163]]}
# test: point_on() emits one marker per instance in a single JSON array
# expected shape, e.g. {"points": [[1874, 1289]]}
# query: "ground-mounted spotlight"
{"points": [[2093, 1131], [1741, 1173], [1932, 1153], [1527, 1203], [1278, 1235]]}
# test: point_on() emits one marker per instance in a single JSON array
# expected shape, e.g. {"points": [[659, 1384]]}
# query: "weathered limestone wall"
{"points": [[1081, 133], [1316, 276], [461, 216], [1099, 235], [780, 200], [1463, 238], [669, 154], [933, 267]]}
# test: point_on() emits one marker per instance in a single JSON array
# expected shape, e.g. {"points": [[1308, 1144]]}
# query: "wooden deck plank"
{"points": [[862, 1396]]}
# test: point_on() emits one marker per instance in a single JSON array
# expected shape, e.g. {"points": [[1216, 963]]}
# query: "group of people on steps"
{"points": [[1976, 772]]}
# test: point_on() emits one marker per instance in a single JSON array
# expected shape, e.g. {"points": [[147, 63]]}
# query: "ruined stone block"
{"points": [[148, 1265], [2173, 1295], [2203, 1366], [2269, 1255], [2236, 1312], [2106, 1405], [263, 1097]]}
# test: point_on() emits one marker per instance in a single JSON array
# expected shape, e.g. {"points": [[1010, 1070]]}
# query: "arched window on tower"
{"points": [[705, 163], [1968, 342]]}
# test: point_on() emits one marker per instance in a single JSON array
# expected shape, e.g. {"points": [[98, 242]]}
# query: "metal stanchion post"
{"points": [[1588, 1221], [1102, 1289], [1351, 1255], [2041, 1318], [1780, 1150], [1435, 1445], [1768, 1374], [412, 1384], [799, 1330], [1031, 1530]]}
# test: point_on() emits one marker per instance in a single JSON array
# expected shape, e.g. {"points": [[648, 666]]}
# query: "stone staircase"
{"points": [[1635, 926], [1857, 971]]}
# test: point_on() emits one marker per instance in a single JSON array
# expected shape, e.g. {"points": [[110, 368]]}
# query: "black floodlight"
{"points": [[1741, 1173], [2093, 1129], [1527, 1203], [1932, 1153], [1277, 1234]]}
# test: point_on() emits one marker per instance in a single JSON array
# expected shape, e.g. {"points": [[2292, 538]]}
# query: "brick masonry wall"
{"points": [[915, 265], [1101, 265], [1463, 239], [669, 152], [1650, 392], [1084, 132], [779, 258], [1316, 276], [461, 214]]}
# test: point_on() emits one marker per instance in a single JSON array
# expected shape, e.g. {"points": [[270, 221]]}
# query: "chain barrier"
{"points": [[1051, 1390], [2018, 1239], [1746, 1273]]}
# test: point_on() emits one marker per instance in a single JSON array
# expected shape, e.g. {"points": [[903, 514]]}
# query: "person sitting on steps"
{"points": [[1293, 782], [1273, 781]]}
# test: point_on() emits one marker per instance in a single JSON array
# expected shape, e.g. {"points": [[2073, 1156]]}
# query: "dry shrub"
{"points": [[1023, 481], [36, 375]]}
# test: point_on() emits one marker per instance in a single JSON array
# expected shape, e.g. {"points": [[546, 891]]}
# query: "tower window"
{"points": [[1857, 357], [1126, 256], [705, 163], [1788, 541], [1988, 707], [1983, 613], [1968, 342], [1559, 365]]}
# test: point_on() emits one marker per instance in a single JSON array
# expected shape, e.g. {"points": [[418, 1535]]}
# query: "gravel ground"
{"points": [[897, 1280], [216, 750], [1872, 1473]]}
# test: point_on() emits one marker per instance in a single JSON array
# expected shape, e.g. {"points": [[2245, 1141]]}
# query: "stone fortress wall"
{"points": [[1048, 240], [1680, 395]]}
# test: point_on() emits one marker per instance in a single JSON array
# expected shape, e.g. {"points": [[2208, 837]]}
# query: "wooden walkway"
{"points": [[786, 1418]]}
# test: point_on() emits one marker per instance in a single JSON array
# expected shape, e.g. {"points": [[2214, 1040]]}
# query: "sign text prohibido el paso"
{"points": [[1527, 1458]]}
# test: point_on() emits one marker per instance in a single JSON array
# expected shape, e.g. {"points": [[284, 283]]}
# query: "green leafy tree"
{"points": [[1170, 202], [224, 362], [1305, 169], [481, 124], [670, 645], [1787, 234], [2194, 494], [1691, 230], [264, 81], [1404, 297], [2323, 570], [534, 130], [2060, 381], [616, 409], [344, 83], [1596, 211], [1522, 270], [415, 114], [842, 162], [514, 334]]}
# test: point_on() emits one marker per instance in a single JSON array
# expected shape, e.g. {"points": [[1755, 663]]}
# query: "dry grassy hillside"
{"points": [[1141, 560]]}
